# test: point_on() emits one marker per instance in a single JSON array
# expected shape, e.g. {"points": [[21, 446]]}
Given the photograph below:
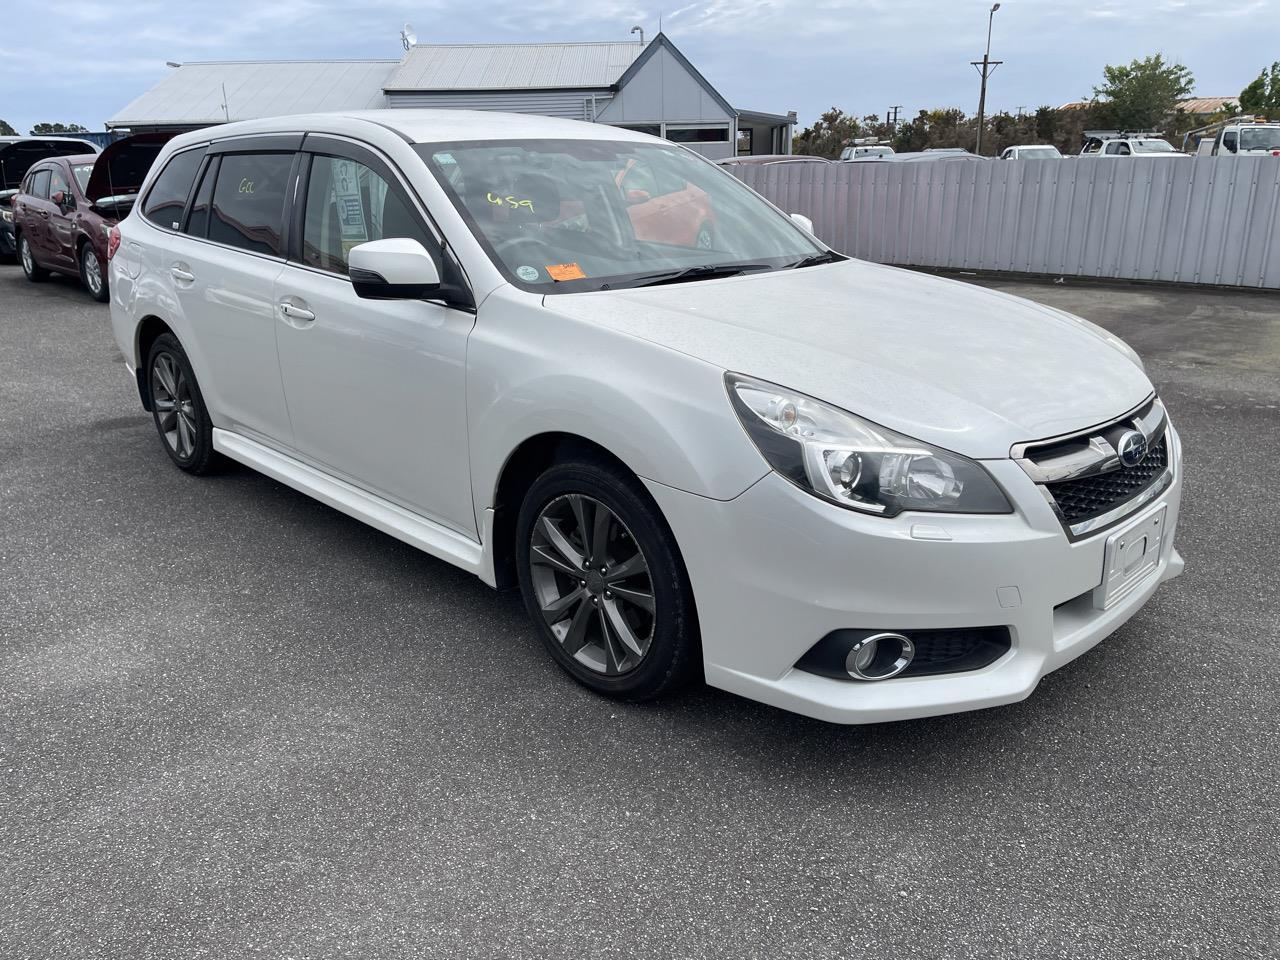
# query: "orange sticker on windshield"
{"points": [[565, 271]]}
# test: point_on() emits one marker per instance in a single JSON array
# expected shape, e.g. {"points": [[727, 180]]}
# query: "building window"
{"points": [[698, 134], [745, 141], [652, 129]]}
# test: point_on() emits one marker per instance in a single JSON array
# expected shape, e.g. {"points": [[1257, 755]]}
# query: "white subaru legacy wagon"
{"points": [[590, 363]]}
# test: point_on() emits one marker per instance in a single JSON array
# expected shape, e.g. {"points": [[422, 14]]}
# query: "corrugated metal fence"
{"points": [[1210, 220]]}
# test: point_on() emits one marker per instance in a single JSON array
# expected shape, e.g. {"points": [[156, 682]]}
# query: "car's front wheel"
{"points": [[35, 273], [92, 275], [177, 406], [604, 582]]}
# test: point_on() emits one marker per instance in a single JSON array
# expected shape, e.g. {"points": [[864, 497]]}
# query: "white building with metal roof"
{"points": [[649, 87]]}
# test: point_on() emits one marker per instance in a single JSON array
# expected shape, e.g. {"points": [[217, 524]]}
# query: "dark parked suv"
{"points": [[66, 207]]}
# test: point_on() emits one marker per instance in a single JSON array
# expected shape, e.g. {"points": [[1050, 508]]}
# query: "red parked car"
{"points": [[17, 154], [65, 209]]}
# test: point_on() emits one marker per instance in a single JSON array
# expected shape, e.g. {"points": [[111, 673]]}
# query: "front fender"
{"points": [[664, 414]]}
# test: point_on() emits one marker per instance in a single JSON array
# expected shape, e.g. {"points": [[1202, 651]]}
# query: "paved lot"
{"points": [[234, 723]]}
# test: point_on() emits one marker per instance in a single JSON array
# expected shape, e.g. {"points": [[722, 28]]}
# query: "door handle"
{"points": [[179, 274], [297, 313]]}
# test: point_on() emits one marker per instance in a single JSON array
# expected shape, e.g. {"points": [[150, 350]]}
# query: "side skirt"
{"points": [[426, 535]]}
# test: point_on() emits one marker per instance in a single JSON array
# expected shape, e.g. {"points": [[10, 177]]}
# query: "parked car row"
{"points": [[68, 196]]}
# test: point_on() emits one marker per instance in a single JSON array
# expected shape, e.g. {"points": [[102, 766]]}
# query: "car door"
{"points": [[223, 261], [61, 222], [375, 388], [33, 214]]}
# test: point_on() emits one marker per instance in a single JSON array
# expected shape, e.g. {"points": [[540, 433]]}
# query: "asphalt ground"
{"points": [[235, 723]]}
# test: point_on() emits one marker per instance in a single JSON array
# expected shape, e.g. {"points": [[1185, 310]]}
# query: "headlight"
{"points": [[855, 463], [6, 215]]}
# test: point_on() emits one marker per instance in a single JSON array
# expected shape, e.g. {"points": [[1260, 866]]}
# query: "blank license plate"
{"points": [[1132, 555]]}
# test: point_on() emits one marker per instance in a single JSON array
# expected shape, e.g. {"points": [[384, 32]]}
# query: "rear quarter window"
{"points": [[167, 197]]}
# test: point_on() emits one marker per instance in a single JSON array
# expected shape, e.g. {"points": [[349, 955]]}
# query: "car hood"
{"points": [[960, 366], [122, 166]]}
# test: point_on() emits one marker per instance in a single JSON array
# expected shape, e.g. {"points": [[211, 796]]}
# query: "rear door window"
{"points": [[168, 195], [248, 201]]}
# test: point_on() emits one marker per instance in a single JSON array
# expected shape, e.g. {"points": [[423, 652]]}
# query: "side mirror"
{"points": [[803, 222], [395, 269], [635, 197]]}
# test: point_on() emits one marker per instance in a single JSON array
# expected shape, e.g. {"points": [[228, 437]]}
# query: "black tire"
{"points": [[27, 257], [91, 266], [190, 443], [673, 654]]}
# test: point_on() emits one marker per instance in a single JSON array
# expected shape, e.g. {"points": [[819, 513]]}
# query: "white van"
{"points": [[587, 362]]}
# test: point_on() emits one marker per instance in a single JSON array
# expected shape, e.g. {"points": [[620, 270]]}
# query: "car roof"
{"points": [[428, 126]]}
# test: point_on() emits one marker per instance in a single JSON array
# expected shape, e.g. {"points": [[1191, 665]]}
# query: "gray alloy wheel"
{"points": [[91, 273], [592, 584], [32, 269], [174, 405]]}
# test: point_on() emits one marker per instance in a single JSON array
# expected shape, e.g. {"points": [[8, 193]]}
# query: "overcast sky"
{"points": [[82, 60]]}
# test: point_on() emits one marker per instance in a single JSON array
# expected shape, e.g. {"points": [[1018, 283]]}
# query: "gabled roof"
{"points": [[191, 95], [513, 66], [661, 41]]}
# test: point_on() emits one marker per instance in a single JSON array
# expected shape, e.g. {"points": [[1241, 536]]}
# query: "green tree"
{"points": [[6, 130], [47, 129], [1263, 95], [828, 136], [1142, 95]]}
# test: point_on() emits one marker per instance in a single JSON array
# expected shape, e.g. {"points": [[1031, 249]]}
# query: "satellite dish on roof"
{"points": [[407, 36]]}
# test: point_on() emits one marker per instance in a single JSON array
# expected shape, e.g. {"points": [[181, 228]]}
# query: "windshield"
{"points": [[1153, 146], [1038, 153], [1260, 138], [82, 171], [565, 215], [873, 152]]}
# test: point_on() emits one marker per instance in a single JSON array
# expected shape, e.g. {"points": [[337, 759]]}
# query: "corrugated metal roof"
{"points": [[1198, 106], [192, 93], [512, 66]]}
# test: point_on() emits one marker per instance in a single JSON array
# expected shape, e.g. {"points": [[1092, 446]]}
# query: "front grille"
{"points": [[1087, 497]]}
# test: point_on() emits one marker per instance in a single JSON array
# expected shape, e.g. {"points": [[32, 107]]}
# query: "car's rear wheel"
{"points": [[178, 408], [26, 256], [92, 275], [604, 583]]}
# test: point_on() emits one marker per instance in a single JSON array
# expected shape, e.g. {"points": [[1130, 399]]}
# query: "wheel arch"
{"points": [[149, 329], [522, 467]]}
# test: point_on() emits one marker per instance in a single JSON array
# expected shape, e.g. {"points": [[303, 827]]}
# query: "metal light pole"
{"points": [[986, 66]]}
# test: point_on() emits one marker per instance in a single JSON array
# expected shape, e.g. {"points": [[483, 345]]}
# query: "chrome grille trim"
{"points": [[1149, 418], [1092, 453]]}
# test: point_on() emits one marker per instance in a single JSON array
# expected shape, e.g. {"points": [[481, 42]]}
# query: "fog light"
{"points": [[879, 656]]}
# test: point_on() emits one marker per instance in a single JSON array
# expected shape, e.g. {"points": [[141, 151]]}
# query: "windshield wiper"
{"points": [[706, 271], [826, 256]]}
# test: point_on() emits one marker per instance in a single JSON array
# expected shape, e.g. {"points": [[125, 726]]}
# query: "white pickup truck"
{"points": [[1247, 136], [1112, 144]]}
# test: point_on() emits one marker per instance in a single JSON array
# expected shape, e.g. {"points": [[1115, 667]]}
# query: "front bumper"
{"points": [[776, 569], [8, 247]]}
